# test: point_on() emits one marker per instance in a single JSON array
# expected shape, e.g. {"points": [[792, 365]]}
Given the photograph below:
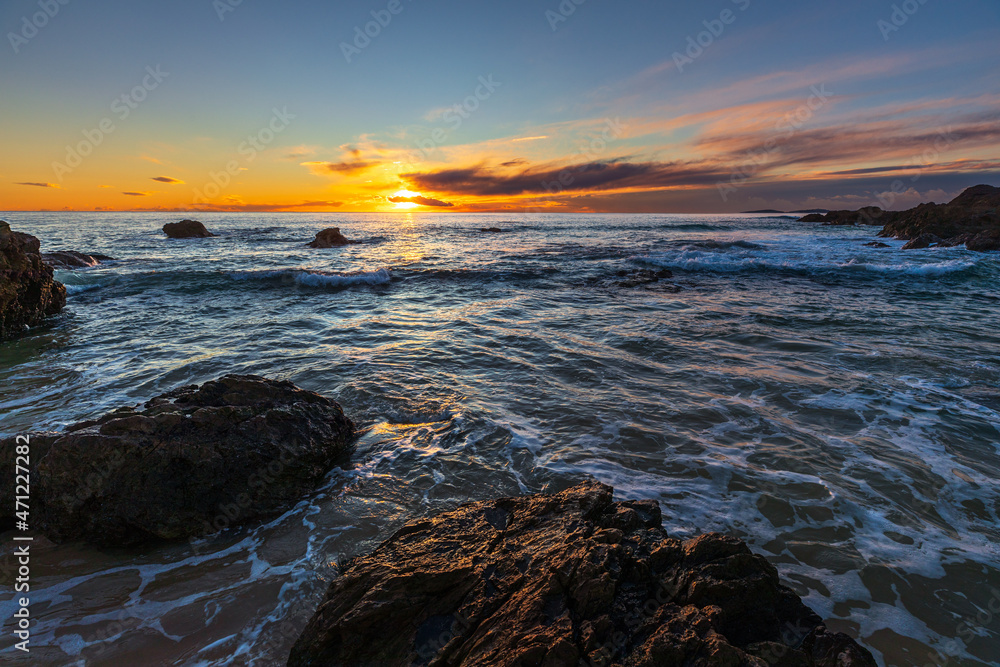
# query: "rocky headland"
{"points": [[189, 463], [971, 219], [28, 292], [70, 259]]}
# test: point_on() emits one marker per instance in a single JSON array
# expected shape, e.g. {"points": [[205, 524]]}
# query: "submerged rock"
{"points": [[877, 244], [70, 259], [493, 230], [331, 238], [28, 293], [186, 229], [565, 579], [189, 463], [639, 277]]}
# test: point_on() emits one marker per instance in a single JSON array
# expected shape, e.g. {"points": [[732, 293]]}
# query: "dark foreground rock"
{"points": [[28, 293], [70, 259], [189, 463], [186, 229], [331, 238], [493, 230], [971, 219], [865, 216], [567, 579]]}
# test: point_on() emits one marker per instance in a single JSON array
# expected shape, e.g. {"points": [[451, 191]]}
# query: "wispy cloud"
{"points": [[138, 194], [423, 201], [40, 185], [167, 179]]}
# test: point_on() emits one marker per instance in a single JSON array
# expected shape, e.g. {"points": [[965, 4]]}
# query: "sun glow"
{"points": [[403, 205]]}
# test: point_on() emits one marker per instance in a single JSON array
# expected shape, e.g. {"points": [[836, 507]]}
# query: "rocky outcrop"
{"points": [[565, 579], [971, 219], [70, 259], [877, 244], [28, 293], [331, 238], [186, 229], [189, 463], [865, 216]]}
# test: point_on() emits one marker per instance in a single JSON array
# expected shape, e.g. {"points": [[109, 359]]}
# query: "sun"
{"points": [[403, 205]]}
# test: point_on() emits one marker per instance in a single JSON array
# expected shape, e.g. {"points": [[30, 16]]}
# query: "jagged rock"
{"points": [[189, 463], [70, 259], [971, 219], [28, 293], [186, 229], [865, 216], [565, 579], [331, 238]]}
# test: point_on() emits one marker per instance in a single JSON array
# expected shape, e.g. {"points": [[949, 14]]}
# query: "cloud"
{"points": [[41, 185], [346, 168], [137, 194], [423, 201], [607, 175], [514, 163], [167, 179], [236, 205]]}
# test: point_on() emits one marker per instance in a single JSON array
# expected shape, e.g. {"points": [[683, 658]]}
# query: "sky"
{"points": [[634, 106]]}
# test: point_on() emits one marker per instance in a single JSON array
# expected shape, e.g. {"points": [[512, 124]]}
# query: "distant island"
{"points": [[808, 210]]}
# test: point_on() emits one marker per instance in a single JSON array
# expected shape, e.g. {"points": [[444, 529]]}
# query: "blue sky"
{"points": [[229, 70]]}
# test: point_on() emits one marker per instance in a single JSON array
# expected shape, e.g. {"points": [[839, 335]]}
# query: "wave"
{"points": [[693, 260], [306, 278]]}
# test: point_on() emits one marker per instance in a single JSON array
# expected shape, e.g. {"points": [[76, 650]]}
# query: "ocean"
{"points": [[837, 406]]}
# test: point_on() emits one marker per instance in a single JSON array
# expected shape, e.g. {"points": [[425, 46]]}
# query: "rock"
{"points": [[331, 238], [69, 259], [28, 293], [189, 463], [493, 230], [922, 241], [637, 278], [865, 216], [565, 579], [877, 244], [186, 229], [971, 219]]}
